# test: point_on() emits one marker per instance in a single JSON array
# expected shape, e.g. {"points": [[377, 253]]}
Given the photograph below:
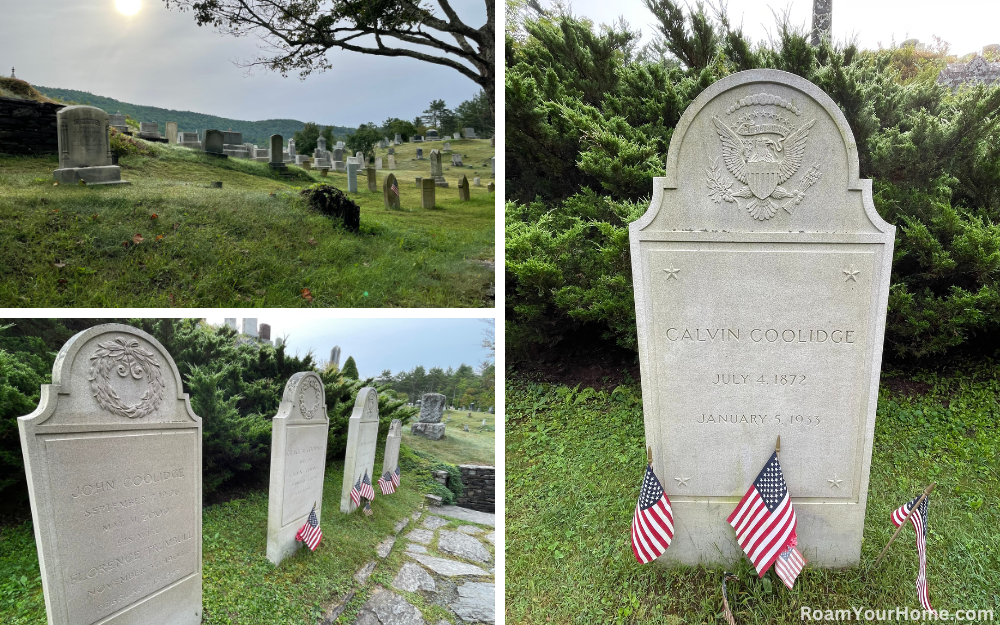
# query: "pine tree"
{"points": [[350, 370]]}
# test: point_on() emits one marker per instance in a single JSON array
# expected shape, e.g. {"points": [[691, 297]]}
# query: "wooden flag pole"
{"points": [[649, 456], [777, 446], [927, 491]]}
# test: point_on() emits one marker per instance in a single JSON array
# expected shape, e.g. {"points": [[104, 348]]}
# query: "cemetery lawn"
{"points": [[169, 240], [240, 585], [477, 446], [575, 459]]}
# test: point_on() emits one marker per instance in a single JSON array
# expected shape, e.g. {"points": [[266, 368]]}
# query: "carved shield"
{"points": [[762, 177]]}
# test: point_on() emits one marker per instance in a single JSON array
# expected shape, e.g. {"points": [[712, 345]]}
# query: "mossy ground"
{"points": [[254, 242]]}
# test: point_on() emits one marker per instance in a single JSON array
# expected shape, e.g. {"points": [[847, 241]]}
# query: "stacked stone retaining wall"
{"points": [[479, 492], [28, 127]]}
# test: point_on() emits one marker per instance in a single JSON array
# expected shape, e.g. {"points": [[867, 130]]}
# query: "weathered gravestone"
{"points": [[378, 163], [335, 356], [420, 154], [298, 462], [761, 276], [372, 180], [491, 187], [250, 326], [277, 158], [463, 189], [493, 166], [213, 144], [456, 160], [189, 140], [398, 140], [392, 161], [446, 146], [432, 135], [427, 188], [477, 182], [429, 423], [149, 130], [390, 459], [470, 133], [85, 147], [390, 192], [118, 122], [113, 460], [437, 172], [352, 176], [456, 136], [171, 133], [362, 438]]}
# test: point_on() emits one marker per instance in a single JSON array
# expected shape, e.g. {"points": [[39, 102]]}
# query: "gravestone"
{"points": [[491, 187], [437, 171], [277, 158], [432, 406], [390, 192], [470, 133], [463, 189], [417, 139], [456, 136], [335, 356], [822, 23], [392, 151], [390, 459], [213, 143], [338, 159], [149, 129], [264, 332], [978, 70], [263, 155], [321, 144], [113, 460], [250, 327], [420, 154], [432, 135], [231, 322], [392, 161], [118, 122], [493, 166], [189, 140], [761, 278], [493, 141], [447, 146], [361, 158], [352, 177], [420, 182], [427, 187], [362, 438], [372, 180], [171, 133], [477, 182], [85, 147], [298, 462], [456, 160], [398, 140], [232, 138], [378, 163]]}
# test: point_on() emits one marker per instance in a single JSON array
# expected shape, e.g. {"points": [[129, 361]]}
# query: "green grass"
{"points": [[252, 243], [477, 446], [240, 585], [568, 551]]}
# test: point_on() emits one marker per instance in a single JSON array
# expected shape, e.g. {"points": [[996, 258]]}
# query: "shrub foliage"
{"points": [[331, 201], [589, 121]]}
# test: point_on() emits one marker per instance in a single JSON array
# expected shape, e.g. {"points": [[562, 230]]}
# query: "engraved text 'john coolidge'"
{"points": [[762, 335]]}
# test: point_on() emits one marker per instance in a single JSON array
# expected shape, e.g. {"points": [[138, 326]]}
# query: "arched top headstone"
{"points": [[396, 427], [83, 137], [366, 405], [113, 374], [762, 151], [304, 399]]}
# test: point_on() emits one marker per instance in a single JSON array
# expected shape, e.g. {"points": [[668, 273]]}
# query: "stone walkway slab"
{"points": [[492, 537], [412, 577], [387, 608], [424, 537], [476, 603], [463, 546], [415, 548], [446, 567], [465, 514], [469, 529], [364, 573], [433, 522]]}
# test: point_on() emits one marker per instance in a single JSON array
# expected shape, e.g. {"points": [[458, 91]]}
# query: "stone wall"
{"points": [[28, 127], [480, 488]]}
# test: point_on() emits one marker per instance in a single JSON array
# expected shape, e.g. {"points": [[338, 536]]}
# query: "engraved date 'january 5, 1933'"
{"points": [[757, 419]]}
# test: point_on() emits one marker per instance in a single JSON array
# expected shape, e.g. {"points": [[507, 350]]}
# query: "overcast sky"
{"points": [[378, 344], [967, 25], [163, 58]]}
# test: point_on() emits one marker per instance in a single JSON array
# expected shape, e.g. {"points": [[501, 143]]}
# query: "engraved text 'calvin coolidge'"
{"points": [[761, 275]]}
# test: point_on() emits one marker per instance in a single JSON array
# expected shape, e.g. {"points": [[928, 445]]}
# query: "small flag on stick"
{"points": [[788, 566], [916, 511], [395, 477], [386, 483], [368, 509], [395, 189], [356, 493], [653, 522], [764, 519], [725, 601], [310, 533], [367, 491]]}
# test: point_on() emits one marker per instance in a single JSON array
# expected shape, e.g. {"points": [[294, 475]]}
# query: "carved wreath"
{"points": [[310, 385], [125, 356]]}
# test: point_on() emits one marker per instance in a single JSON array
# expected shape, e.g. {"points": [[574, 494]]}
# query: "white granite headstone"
{"points": [[362, 438], [299, 434], [761, 276], [85, 147], [113, 460], [391, 456]]}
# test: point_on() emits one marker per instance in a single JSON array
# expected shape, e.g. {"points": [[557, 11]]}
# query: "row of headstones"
{"points": [[114, 470], [432, 135]]}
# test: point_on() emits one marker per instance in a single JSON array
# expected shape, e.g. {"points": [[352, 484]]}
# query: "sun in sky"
{"points": [[128, 7]]}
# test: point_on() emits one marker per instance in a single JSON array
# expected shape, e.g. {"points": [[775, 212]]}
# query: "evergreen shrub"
{"points": [[333, 202]]}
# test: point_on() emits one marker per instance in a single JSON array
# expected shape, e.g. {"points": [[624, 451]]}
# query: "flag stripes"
{"points": [[310, 533], [764, 519], [653, 521], [788, 566], [387, 484], [919, 521]]}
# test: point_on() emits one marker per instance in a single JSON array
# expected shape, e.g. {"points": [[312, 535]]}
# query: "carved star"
{"points": [[682, 481], [851, 274], [671, 273], [835, 482]]}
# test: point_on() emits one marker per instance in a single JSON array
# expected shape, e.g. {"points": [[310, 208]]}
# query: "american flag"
{"points": [[368, 509], [788, 566], [653, 522], [919, 521], [395, 477], [356, 493], [366, 488], [310, 533], [395, 189], [385, 483], [764, 519]]}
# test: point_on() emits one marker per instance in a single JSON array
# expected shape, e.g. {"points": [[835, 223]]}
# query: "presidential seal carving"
{"points": [[124, 357], [762, 149], [310, 398]]}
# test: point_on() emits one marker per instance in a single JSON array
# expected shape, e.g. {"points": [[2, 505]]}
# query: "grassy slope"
{"points": [[245, 245], [477, 446], [240, 585], [569, 557]]}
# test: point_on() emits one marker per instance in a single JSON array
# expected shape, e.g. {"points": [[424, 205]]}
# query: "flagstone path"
{"points": [[449, 564]]}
